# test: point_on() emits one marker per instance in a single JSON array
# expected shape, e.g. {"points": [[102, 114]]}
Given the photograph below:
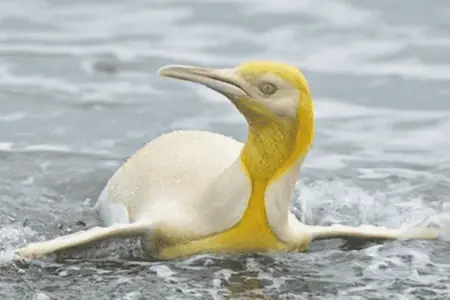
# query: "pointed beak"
{"points": [[224, 81]]}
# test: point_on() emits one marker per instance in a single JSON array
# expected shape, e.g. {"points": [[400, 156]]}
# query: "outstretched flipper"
{"points": [[81, 238], [369, 232]]}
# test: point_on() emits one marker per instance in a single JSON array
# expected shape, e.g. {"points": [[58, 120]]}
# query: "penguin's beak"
{"points": [[224, 81]]}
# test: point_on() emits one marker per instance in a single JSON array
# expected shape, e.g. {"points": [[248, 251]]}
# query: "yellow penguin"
{"points": [[190, 192]]}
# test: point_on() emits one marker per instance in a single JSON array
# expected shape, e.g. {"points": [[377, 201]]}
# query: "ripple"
{"points": [[334, 13], [57, 149]]}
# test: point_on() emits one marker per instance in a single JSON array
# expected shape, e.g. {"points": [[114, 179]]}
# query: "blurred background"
{"points": [[79, 94]]}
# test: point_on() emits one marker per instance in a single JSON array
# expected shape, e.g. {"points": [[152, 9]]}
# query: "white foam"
{"points": [[46, 147], [6, 146], [41, 296], [162, 271], [441, 221], [12, 235], [330, 202], [6, 256], [131, 296]]}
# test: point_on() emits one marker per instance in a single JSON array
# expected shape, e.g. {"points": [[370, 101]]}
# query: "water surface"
{"points": [[79, 94]]}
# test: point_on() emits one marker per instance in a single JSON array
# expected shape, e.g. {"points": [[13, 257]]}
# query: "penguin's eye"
{"points": [[268, 88]]}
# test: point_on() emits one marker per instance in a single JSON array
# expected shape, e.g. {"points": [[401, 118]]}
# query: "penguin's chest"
{"points": [[251, 234]]}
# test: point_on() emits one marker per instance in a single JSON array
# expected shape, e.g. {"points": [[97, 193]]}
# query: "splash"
{"points": [[10, 237], [440, 222], [343, 202], [6, 256]]}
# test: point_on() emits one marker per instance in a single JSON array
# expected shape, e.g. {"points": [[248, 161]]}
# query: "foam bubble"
{"points": [[41, 296], [441, 221], [10, 236], [5, 146], [6, 256], [162, 271]]}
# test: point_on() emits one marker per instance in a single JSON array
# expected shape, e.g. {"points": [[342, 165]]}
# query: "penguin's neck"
{"points": [[269, 147], [274, 146], [273, 153], [267, 154]]}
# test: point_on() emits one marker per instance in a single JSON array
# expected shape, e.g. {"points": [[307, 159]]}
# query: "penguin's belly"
{"points": [[166, 176]]}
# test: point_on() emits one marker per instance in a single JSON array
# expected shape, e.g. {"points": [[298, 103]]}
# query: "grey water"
{"points": [[79, 94]]}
